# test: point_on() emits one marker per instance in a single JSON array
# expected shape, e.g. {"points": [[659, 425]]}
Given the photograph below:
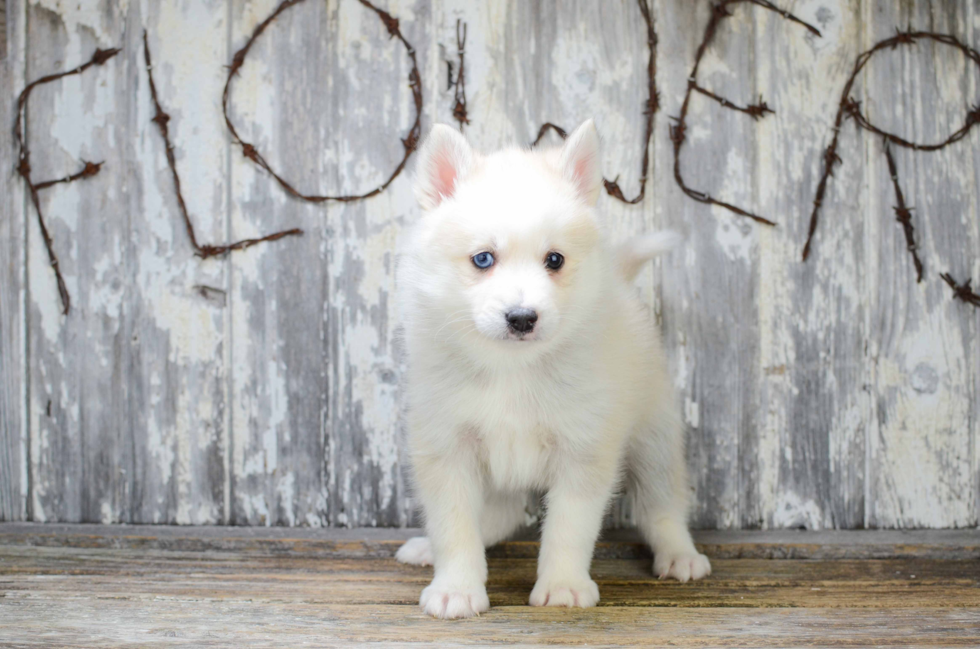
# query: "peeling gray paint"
{"points": [[263, 388]]}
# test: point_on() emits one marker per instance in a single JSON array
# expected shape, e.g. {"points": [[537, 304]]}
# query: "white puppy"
{"points": [[531, 367]]}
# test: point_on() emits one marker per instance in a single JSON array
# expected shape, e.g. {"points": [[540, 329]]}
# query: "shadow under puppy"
{"points": [[532, 366]]}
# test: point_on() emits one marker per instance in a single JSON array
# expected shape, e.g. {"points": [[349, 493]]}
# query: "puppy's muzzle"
{"points": [[521, 321]]}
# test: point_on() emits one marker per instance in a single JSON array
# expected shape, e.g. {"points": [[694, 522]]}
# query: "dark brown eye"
{"points": [[554, 261]]}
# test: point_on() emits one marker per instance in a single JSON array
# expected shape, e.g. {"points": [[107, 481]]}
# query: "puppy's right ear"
{"points": [[444, 160]]}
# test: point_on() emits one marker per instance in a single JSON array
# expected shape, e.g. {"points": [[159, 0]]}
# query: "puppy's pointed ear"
{"points": [[579, 162], [444, 160]]}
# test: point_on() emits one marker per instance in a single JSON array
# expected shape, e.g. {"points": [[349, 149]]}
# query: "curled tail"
{"points": [[631, 255]]}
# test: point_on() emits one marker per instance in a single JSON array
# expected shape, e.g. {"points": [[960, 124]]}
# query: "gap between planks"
{"points": [[382, 542]]}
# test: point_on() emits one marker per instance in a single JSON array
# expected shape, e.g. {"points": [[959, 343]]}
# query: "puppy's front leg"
{"points": [[451, 499], [571, 526]]}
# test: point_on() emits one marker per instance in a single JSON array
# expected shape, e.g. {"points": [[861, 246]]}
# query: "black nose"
{"points": [[521, 321]]}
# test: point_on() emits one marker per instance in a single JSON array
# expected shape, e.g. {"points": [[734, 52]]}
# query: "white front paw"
{"points": [[417, 551], [450, 600], [579, 592], [681, 565]]}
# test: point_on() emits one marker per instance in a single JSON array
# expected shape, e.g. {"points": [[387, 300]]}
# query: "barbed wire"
{"points": [[162, 119], [410, 142], [650, 108], [678, 131], [851, 108], [962, 291], [903, 214], [459, 109], [23, 168]]}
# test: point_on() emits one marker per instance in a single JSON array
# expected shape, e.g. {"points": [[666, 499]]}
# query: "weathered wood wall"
{"points": [[262, 388]]}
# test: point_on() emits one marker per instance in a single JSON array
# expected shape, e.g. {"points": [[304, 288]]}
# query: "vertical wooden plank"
{"points": [[710, 287], [315, 372], [315, 378], [971, 32], [178, 372], [13, 282], [805, 465], [279, 357], [3, 30], [127, 390], [923, 343], [79, 370], [371, 96]]}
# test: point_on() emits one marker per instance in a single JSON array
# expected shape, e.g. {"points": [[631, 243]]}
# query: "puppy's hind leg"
{"points": [[658, 479], [416, 551], [500, 517]]}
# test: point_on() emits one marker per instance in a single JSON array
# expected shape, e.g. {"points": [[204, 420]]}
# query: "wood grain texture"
{"points": [[279, 359], [79, 369], [178, 400], [13, 284], [263, 388], [3, 30], [235, 592], [739, 583], [128, 394], [923, 352], [710, 286], [177, 623], [315, 418], [805, 465]]}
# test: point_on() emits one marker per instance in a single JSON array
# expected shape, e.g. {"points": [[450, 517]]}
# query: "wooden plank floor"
{"points": [[94, 586]]}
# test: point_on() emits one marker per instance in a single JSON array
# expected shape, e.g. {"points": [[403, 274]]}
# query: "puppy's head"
{"points": [[508, 249]]}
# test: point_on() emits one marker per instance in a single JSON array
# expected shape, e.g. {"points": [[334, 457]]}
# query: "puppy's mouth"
{"points": [[530, 336]]}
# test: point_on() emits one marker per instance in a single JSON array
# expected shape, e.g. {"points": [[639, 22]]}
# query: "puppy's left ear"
{"points": [[579, 162]]}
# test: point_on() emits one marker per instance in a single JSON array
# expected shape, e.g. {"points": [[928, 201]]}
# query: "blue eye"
{"points": [[483, 260], [554, 261]]}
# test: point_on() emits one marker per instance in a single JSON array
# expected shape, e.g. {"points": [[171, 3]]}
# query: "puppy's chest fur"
{"points": [[528, 425]]}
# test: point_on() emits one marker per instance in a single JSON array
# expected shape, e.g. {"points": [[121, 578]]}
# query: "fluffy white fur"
{"points": [[575, 408]]}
